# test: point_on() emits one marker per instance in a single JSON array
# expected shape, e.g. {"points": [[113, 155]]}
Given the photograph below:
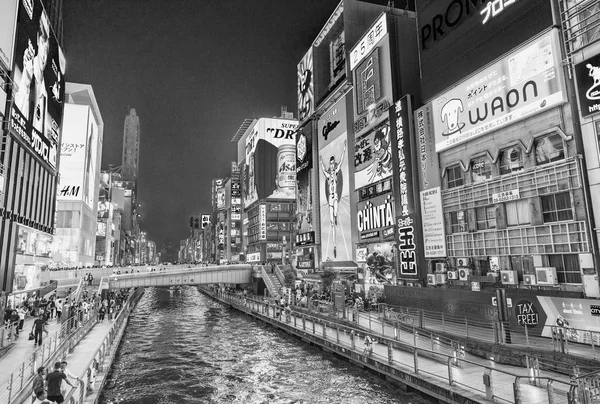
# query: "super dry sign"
{"points": [[523, 83]]}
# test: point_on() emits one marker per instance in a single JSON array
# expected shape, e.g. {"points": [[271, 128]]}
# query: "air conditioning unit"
{"points": [[529, 279], [440, 267], [440, 279], [431, 279], [463, 262], [546, 276], [453, 275], [464, 273], [509, 277]]}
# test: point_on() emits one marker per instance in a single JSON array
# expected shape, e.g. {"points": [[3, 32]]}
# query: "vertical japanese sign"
{"points": [[263, 222], [406, 212]]}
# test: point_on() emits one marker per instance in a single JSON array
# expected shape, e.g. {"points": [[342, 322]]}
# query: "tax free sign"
{"points": [[523, 83]]}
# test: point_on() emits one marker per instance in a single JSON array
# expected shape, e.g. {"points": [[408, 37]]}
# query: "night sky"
{"points": [[194, 70]]}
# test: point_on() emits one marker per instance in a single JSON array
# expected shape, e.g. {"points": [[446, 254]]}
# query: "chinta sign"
{"points": [[524, 83]]}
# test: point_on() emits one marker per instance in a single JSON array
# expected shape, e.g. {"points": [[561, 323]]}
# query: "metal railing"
{"points": [[55, 345], [417, 352], [99, 365]]}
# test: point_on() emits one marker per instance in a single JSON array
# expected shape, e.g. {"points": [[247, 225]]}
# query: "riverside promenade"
{"points": [[429, 365], [88, 349]]}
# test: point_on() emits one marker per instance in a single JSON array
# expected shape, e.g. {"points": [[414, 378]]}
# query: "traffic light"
{"points": [[196, 223]]}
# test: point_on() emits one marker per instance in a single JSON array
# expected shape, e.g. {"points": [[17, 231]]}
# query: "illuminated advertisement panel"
{"points": [[220, 198], [376, 219], [407, 221], [524, 83], [8, 21], [37, 111], [459, 37], [304, 177], [588, 85], [262, 221], [336, 238], [306, 87], [270, 169], [73, 152], [429, 166], [372, 157], [370, 62]]}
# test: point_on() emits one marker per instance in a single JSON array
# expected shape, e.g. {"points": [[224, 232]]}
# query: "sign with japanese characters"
{"points": [[373, 190], [432, 216], [506, 196], [404, 187], [372, 157], [368, 42], [429, 166], [262, 217], [523, 83], [459, 37]]}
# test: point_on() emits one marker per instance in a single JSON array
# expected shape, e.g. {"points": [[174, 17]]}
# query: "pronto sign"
{"points": [[521, 84]]}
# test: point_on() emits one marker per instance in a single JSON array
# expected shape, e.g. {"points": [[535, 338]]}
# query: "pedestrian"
{"points": [[22, 314], [368, 345], [66, 371], [39, 327], [59, 309], [39, 381], [41, 398], [54, 380]]}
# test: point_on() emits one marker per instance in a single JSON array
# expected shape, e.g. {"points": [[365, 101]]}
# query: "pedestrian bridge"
{"points": [[235, 274]]}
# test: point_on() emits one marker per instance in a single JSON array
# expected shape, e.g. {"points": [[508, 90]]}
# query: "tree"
{"points": [[289, 278], [327, 277]]}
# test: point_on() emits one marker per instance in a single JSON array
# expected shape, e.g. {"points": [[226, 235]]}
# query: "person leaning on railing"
{"points": [[39, 382]]}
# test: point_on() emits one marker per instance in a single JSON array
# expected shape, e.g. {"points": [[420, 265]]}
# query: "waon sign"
{"points": [[588, 85]]}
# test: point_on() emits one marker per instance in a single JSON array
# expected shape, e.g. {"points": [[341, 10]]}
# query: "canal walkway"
{"points": [[428, 365], [88, 349]]}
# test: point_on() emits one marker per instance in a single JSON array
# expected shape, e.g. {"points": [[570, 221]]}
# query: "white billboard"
{"points": [[8, 23], [270, 169], [73, 152]]}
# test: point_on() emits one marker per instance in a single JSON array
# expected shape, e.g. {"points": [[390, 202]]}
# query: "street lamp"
{"points": [[284, 243]]}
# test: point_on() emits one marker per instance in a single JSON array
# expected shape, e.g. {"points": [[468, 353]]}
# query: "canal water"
{"points": [[182, 347]]}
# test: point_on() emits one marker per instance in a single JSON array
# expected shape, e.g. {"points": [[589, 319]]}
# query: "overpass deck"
{"points": [[232, 274]]}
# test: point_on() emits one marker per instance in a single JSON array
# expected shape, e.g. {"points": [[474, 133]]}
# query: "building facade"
{"points": [[131, 146], [77, 197], [29, 150]]}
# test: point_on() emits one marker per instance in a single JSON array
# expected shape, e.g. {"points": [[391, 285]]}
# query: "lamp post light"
{"points": [[284, 244]]}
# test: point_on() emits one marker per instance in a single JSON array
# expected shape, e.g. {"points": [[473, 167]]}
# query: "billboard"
{"points": [[306, 87], [588, 85], [270, 169], [336, 238], [91, 162], [456, 38], [525, 82], [8, 21], [36, 114], [304, 178], [375, 219], [429, 165], [73, 152], [220, 197], [432, 215], [407, 215], [372, 156]]}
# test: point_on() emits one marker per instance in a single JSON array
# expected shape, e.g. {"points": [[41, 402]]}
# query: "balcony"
{"points": [[534, 181], [550, 238]]}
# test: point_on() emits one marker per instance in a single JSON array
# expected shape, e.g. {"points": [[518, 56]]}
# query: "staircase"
{"points": [[273, 283]]}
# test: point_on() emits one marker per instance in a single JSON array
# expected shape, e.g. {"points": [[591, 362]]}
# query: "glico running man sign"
{"points": [[37, 110]]}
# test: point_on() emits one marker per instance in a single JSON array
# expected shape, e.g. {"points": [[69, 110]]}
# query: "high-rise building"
{"points": [[131, 146], [29, 154], [77, 198]]}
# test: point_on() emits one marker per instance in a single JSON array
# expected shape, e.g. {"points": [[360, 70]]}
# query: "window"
{"points": [[486, 217], [454, 176], [557, 207], [523, 264], [458, 221], [481, 170], [549, 149], [517, 212], [567, 267], [511, 160]]}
